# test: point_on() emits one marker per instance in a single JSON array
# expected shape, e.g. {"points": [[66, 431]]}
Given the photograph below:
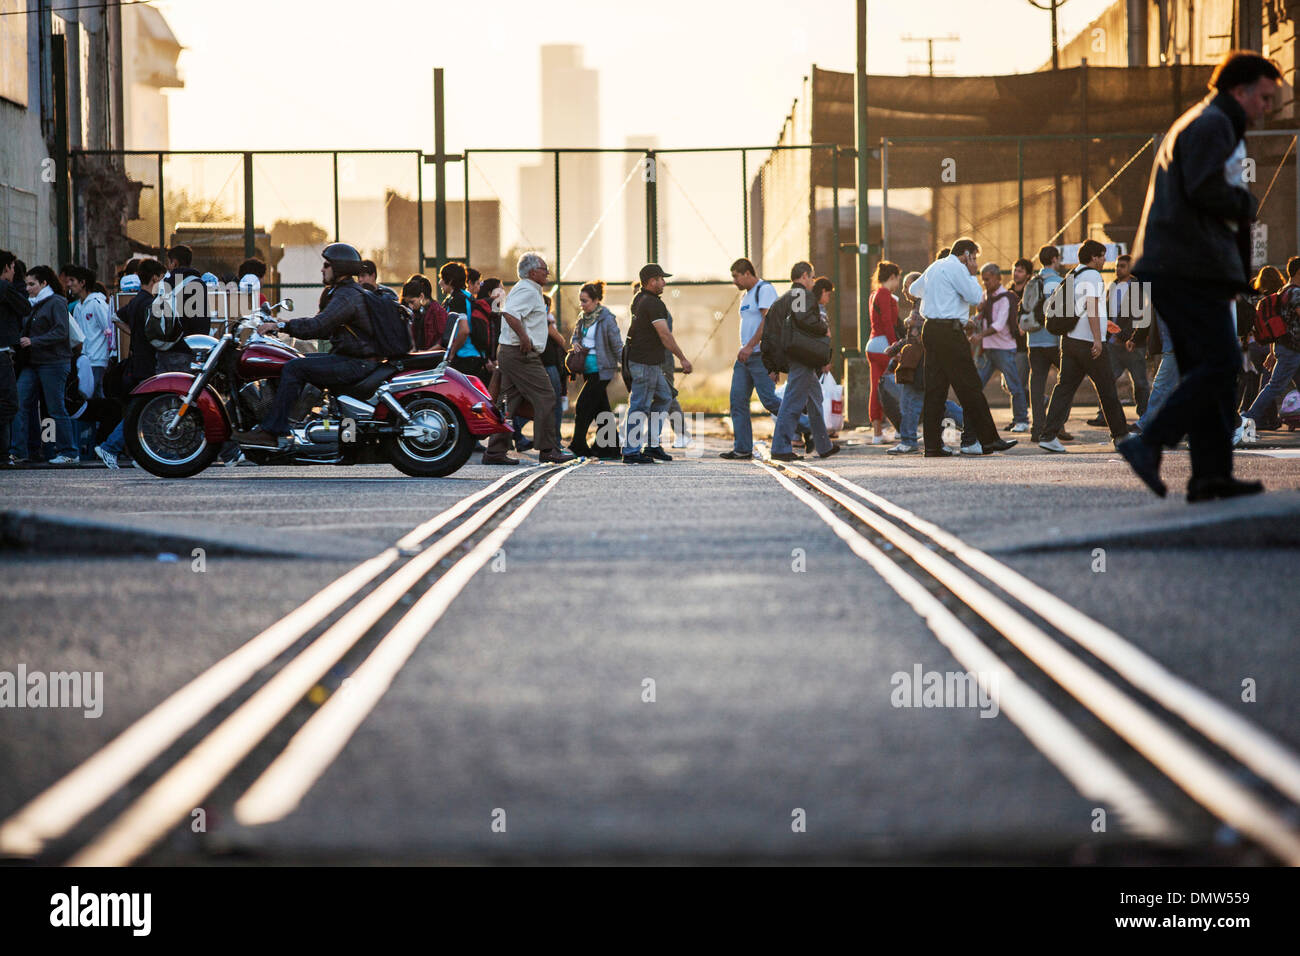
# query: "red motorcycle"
{"points": [[415, 412]]}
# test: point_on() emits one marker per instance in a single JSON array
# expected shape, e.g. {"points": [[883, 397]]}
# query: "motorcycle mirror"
{"points": [[288, 305]]}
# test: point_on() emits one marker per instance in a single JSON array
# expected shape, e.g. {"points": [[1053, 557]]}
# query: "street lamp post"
{"points": [[1052, 6]]}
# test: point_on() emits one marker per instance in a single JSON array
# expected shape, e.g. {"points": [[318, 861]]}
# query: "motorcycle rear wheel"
{"points": [[424, 460], [184, 453]]}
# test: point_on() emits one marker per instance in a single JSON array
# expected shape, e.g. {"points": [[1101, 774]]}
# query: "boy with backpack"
{"points": [[1077, 311], [1044, 347], [1277, 322]]}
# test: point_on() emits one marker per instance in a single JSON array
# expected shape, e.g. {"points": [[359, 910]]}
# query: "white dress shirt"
{"points": [[949, 290]]}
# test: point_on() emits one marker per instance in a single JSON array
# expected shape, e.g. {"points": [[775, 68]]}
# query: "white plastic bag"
{"points": [[832, 403]]}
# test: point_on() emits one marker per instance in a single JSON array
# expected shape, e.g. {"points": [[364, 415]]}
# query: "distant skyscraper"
{"points": [[570, 110]]}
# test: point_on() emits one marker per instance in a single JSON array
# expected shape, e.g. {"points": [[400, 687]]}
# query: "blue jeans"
{"points": [[115, 443], [646, 406], [1288, 363], [1005, 361], [51, 379], [1135, 363], [1165, 382], [744, 380], [912, 400], [803, 390]]}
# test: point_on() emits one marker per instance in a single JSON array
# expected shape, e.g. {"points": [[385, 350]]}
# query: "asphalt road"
{"points": [[770, 644]]}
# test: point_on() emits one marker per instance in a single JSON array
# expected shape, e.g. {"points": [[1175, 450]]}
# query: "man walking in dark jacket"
{"points": [[13, 309], [1193, 247], [345, 321], [803, 391]]}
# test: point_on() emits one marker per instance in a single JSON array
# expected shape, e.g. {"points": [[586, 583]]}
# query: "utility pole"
{"points": [[1056, 50], [930, 42]]}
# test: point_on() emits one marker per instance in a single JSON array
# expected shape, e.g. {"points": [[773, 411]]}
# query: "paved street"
{"points": [[771, 644]]}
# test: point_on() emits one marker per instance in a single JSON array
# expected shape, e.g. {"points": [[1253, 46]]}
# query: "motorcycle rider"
{"points": [[352, 356]]}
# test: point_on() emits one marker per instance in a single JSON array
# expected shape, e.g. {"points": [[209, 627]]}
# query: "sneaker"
{"points": [[64, 460], [902, 448], [1020, 427], [734, 455], [107, 457], [640, 458], [682, 441], [656, 452], [877, 439], [974, 448], [1053, 446], [234, 461], [1246, 433]]}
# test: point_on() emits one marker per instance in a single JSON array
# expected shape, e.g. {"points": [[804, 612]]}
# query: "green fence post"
{"points": [[884, 197], [836, 344], [465, 210], [559, 268], [651, 208], [1020, 189], [162, 209], [419, 211], [336, 196], [744, 195], [250, 243]]}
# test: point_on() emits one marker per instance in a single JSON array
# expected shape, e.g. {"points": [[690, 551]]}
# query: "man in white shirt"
{"points": [[1083, 351], [524, 330], [749, 374], [950, 290]]}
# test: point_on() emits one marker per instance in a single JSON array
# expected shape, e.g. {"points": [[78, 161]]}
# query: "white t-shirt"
{"points": [[751, 305], [1088, 283]]}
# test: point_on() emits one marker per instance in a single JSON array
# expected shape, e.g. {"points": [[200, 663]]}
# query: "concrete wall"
{"points": [[27, 225]]}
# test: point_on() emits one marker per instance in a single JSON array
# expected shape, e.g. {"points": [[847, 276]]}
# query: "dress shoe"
{"points": [[836, 448], [1145, 462], [640, 458], [1206, 489], [1063, 435], [523, 444], [1098, 422], [787, 456], [258, 438], [557, 457], [734, 455], [1002, 444], [941, 453], [500, 461], [657, 452]]}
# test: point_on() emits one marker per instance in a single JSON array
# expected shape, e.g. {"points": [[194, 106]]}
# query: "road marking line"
{"points": [[1195, 773], [1092, 773], [170, 798], [58, 809], [280, 788], [1254, 747]]}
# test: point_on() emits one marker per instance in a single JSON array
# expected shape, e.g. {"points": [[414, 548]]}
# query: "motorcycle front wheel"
{"points": [[159, 448], [445, 446]]}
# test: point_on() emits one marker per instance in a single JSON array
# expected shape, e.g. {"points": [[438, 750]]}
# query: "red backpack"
{"points": [[1270, 325]]}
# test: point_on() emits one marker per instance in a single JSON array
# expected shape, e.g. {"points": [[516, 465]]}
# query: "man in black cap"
{"points": [[648, 339]]}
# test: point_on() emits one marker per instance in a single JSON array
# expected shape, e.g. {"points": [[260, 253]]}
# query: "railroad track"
{"points": [[376, 614], [1044, 658]]}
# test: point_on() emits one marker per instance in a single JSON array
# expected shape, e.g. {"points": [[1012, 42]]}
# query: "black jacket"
{"points": [[143, 360], [47, 327], [345, 321], [1195, 226], [14, 307]]}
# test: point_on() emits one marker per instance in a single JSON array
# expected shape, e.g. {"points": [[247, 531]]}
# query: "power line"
{"points": [[79, 6]]}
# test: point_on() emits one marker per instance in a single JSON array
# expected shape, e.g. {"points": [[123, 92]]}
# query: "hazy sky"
{"points": [[279, 74]]}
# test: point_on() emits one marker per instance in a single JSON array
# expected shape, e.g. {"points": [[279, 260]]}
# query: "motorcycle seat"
{"points": [[388, 368]]}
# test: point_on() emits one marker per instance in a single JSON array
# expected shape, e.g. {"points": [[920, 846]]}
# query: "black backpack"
{"points": [[391, 324], [776, 334], [1059, 310]]}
